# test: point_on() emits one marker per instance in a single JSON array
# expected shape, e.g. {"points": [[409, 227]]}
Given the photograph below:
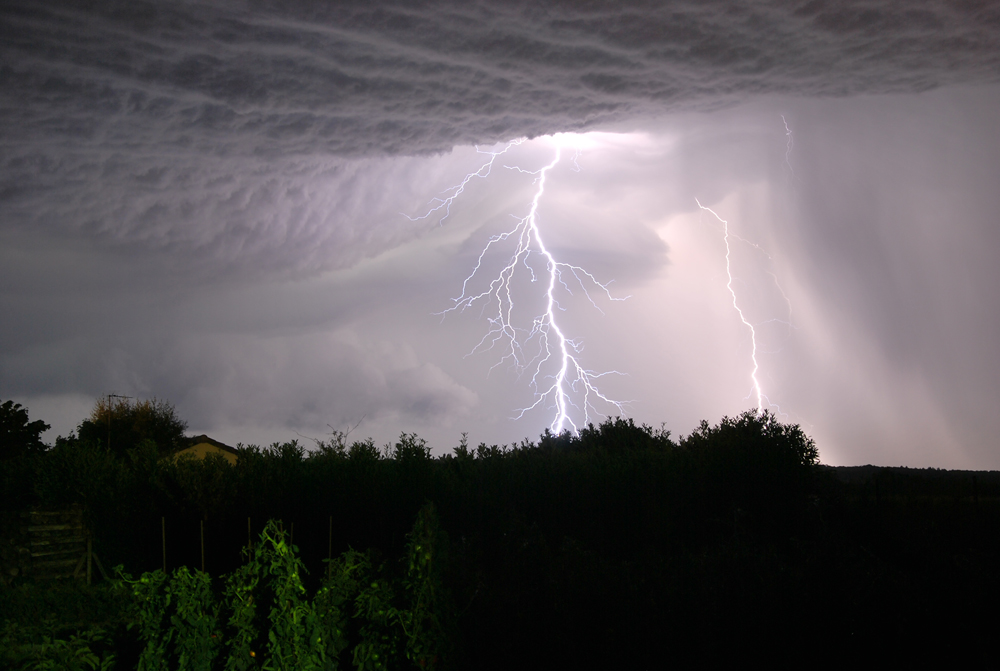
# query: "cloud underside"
{"points": [[290, 78], [230, 133]]}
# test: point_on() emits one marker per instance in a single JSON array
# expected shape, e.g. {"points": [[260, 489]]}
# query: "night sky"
{"points": [[218, 205]]}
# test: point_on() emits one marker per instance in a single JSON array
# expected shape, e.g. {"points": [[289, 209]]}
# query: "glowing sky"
{"points": [[212, 205]]}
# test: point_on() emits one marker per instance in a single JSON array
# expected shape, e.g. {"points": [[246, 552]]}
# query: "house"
{"points": [[202, 446]]}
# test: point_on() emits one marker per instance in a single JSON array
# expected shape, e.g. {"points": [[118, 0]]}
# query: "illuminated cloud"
{"points": [[210, 204]]}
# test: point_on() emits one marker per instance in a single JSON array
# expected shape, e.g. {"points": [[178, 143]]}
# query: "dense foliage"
{"points": [[20, 446], [360, 616], [19, 436], [609, 549], [65, 626], [123, 424]]}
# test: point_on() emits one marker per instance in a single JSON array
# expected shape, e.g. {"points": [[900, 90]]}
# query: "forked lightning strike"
{"points": [[570, 388]]}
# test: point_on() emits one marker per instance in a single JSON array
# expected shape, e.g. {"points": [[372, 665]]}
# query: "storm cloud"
{"points": [[291, 78], [214, 204], [254, 134]]}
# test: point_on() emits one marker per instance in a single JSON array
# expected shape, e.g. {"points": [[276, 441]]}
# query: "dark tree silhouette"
{"points": [[755, 436], [123, 424], [18, 435]]}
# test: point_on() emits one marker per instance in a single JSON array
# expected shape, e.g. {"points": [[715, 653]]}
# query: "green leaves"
{"points": [[426, 621], [150, 606], [334, 600], [195, 620], [389, 621], [240, 588], [294, 639], [25, 650], [176, 616]]}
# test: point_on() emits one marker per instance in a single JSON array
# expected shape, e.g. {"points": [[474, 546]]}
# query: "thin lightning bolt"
{"points": [[457, 190], [576, 164], [571, 389], [788, 144], [753, 333], [777, 284]]}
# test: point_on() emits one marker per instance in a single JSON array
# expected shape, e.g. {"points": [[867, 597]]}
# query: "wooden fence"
{"points": [[48, 544]]}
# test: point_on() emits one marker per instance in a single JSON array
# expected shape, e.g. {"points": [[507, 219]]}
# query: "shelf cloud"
{"points": [[231, 131], [217, 203]]}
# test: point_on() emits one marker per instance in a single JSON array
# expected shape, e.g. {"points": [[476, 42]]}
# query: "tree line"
{"points": [[611, 547]]}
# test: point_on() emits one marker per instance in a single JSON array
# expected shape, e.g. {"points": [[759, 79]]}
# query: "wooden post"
{"points": [[90, 559], [249, 537], [163, 529], [291, 537], [203, 546], [329, 550]]}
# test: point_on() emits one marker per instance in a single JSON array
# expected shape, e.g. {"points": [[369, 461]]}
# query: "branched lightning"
{"points": [[457, 190], [570, 388]]}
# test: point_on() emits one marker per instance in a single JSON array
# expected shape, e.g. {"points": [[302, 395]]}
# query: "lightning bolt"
{"points": [[755, 390], [788, 144], [558, 379], [454, 192]]}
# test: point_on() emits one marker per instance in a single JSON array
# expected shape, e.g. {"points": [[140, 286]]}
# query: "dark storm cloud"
{"points": [[362, 78], [176, 179], [227, 131]]}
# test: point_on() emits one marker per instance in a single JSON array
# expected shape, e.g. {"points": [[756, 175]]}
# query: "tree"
{"points": [[750, 472], [18, 435], [618, 435], [755, 436], [122, 424]]}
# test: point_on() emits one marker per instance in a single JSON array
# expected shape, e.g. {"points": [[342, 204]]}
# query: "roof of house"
{"points": [[198, 440]]}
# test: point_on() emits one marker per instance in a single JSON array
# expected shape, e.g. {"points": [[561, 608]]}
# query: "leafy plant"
{"points": [[178, 616], [426, 622], [294, 640], [195, 619], [335, 599], [380, 639], [149, 616], [24, 650], [240, 588]]}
